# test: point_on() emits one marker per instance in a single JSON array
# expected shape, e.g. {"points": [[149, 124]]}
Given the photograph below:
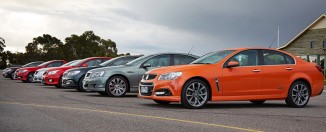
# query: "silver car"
{"points": [[116, 81], [38, 75]]}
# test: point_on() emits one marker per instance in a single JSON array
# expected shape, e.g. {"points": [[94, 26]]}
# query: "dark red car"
{"points": [[53, 76], [26, 74]]}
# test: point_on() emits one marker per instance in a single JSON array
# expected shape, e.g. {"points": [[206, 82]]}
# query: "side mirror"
{"points": [[84, 65], [146, 65], [232, 64]]}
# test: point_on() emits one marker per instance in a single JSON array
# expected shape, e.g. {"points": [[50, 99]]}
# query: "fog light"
{"points": [[50, 80], [159, 93], [163, 92]]}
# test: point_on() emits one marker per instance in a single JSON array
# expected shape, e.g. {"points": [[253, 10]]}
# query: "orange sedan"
{"points": [[255, 75]]}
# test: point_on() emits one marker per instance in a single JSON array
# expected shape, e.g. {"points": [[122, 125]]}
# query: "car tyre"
{"points": [[59, 85], [30, 77], [258, 102], [298, 95], [12, 76], [195, 94], [162, 102], [116, 86], [80, 85]]}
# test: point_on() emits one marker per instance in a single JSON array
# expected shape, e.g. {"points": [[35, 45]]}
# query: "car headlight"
{"points": [[72, 73], [53, 72], [170, 76], [24, 71], [97, 74]]}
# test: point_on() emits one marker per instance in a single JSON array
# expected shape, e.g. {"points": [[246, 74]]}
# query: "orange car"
{"points": [[242, 74]]}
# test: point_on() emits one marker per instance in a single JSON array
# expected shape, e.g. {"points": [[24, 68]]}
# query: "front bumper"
{"points": [[51, 79], [38, 77], [168, 91], [69, 82], [95, 84], [21, 76]]}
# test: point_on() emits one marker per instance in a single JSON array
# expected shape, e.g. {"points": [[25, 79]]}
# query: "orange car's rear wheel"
{"points": [[195, 94], [298, 95]]}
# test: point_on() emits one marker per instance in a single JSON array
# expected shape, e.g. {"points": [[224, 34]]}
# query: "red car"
{"points": [[26, 74], [53, 76]]}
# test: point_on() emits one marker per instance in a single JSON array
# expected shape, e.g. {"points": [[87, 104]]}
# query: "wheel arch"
{"points": [[121, 75], [302, 80], [204, 80]]}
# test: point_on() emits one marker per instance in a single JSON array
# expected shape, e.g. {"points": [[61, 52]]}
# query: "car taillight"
{"points": [[319, 68]]}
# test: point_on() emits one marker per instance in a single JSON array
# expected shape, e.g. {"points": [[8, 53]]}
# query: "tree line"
{"points": [[47, 47]]}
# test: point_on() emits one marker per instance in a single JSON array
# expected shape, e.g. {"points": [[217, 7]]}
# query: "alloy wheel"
{"points": [[300, 94], [117, 87], [196, 94]]}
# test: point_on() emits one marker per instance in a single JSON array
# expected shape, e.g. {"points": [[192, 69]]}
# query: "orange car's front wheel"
{"points": [[195, 94]]}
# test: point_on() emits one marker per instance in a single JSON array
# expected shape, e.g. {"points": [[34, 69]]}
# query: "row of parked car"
{"points": [[250, 74]]}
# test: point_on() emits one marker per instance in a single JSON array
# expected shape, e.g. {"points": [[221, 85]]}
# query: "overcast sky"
{"points": [[151, 26]]}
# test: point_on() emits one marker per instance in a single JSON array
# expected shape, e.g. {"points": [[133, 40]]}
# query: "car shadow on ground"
{"points": [[95, 94], [241, 105]]}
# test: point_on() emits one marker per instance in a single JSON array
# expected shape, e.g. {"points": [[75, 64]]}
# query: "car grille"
{"points": [[87, 74], [150, 87], [149, 76]]}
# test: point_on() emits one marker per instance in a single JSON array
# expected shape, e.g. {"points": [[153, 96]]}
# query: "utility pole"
{"points": [[278, 36]]}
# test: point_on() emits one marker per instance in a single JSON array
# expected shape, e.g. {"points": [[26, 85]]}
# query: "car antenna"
{"points": [[278, 38], [191, 48]]}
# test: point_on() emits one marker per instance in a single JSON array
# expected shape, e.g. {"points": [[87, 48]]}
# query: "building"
{"points": [[310, 44]]}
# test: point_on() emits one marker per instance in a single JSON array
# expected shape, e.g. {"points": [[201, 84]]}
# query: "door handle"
{"points": [[289, 68], [255, 70]]}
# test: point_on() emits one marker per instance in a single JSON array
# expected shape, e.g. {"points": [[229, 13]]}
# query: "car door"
{"points": [[155, 62], [278, 68], [245, 79]]}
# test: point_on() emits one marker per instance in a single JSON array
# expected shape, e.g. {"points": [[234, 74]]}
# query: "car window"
{"points": [[183, 59], [95, 62], [276, 58], [56, 64], [122, 61], [159, 61], [246, 58]]}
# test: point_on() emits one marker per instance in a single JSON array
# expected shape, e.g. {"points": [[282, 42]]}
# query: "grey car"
{"points": [[116, 81], [73, 78]]}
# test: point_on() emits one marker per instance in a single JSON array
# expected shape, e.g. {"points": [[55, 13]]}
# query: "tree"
{"points": [[2, 44], [45, 47], [88, 44]]}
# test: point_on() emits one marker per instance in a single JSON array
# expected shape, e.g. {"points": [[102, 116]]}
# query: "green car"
{"points": [[116, 81]]}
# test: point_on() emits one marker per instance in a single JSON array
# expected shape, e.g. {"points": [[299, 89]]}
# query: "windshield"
{"points": [[44, 63], [32, 64], [213, 58], [139, 60], [106, 63], [77, 63], [69, 63]]}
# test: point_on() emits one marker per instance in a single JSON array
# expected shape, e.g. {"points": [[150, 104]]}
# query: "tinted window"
{"points": [[183, 59], [159, 61], [246, 58], [56, 64], [95, 62], [275, 58]]}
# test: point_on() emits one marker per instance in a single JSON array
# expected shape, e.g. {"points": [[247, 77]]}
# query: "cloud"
{"points": [[145, 26]]}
